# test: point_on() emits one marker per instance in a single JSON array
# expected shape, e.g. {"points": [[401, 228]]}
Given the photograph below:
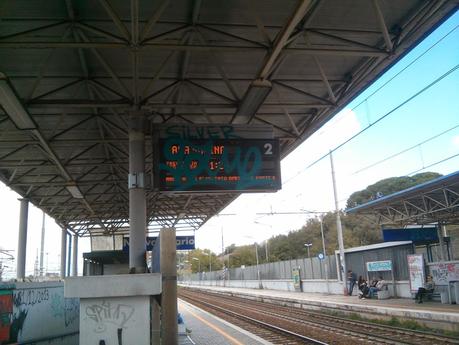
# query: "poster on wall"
{"points": [[296, 279], [444, 272], [416, 270]]}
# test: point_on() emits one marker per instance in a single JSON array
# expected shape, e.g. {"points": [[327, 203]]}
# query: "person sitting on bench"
{"points": [[378, 287], [363, 288], [428, 288]]}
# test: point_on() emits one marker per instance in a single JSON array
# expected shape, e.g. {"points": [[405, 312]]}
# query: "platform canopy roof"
{"points": [[436, 201], [71, 71]]}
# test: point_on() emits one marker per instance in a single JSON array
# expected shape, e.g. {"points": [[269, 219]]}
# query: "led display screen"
{"points": [[217, 164]]}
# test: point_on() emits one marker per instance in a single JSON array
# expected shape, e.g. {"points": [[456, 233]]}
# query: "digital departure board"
{"points": [[189, 164]]}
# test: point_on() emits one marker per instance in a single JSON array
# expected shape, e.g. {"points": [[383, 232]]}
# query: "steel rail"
{"points": [[389, 336], [259, 323]]}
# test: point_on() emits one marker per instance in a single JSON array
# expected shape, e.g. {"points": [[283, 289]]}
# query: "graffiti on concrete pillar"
{"points": [[107, 312]]}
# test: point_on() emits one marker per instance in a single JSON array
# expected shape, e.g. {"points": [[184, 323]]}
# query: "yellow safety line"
{"points": [[226, 335]]}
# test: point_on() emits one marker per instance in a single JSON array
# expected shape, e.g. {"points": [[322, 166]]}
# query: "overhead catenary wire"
{"points": [[371, 95], [376, 91], [407, 66], [444, 75], [435, 163], [405, 150]]}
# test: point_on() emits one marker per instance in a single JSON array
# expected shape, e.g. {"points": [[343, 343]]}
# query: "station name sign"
{"points": [[216, 158], [183, 243]]}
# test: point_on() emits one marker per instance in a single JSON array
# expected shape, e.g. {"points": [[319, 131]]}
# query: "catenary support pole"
{"points": [[22, 239], [75, 256], [324, 250], [63, 251], [339, 230], [137, 201], [169, 327]]}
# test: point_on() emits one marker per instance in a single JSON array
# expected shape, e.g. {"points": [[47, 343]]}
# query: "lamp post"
{"points": [[210, 261], [321, 220], [308, 245], [199, 267], [258, 263]]}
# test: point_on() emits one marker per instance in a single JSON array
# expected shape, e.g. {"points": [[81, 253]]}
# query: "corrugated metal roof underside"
{"points": [[80, 67]]}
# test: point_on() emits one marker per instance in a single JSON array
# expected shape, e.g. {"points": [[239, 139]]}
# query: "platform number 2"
{"points": [[268, 148]]}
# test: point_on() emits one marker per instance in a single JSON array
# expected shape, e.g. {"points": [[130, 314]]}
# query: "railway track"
{"points": [[269, 332], [327, 328]]}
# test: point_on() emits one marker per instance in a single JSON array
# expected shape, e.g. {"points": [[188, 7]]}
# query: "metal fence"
{"points": [[310, 268]]}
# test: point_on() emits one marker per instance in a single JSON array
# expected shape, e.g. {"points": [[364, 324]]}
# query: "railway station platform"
{"points": [[207, 329], [431, 314]]}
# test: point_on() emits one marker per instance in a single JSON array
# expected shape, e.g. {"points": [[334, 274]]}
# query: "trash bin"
{"points": [[444, 297]]}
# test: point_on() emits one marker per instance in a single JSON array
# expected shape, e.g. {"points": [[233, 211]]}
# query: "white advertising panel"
{"points": [[416, 270]]}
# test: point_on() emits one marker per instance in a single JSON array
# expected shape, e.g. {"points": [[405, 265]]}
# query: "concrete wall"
{"points": [[115, 320], [116, 269], [316, 286], [39, 314]]}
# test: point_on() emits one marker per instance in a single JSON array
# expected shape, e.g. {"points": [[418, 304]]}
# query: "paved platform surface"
{"points": [[210, 330], [427, 312]]}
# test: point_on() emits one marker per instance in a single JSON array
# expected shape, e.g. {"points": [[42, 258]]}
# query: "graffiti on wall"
{"points": [[6, 311], [37, 312], [445, 272], [30, 297]]}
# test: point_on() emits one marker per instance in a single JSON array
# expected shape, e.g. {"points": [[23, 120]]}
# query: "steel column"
{"points": [[22, 239], [75, 256], [42, 246], [69, 254], [137, 201], [63, 251]]}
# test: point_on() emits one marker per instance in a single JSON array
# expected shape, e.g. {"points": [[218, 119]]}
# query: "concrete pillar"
{"points": [[75, 256], [137, 201], [63, 251], [22, 239], [155, 321], [169, 327]]}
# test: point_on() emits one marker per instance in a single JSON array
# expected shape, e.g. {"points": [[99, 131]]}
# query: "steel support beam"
{"points": [[22, 239], [75, 256], [282, 38], [63, 252]]}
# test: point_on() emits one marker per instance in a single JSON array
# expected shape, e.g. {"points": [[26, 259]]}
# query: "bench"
{"points": [[433, 296], [383, 294]]}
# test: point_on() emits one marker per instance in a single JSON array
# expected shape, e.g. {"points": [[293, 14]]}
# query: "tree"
{"points": [[357, 230], [202, 259], [388, 186], [243, 255]]}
